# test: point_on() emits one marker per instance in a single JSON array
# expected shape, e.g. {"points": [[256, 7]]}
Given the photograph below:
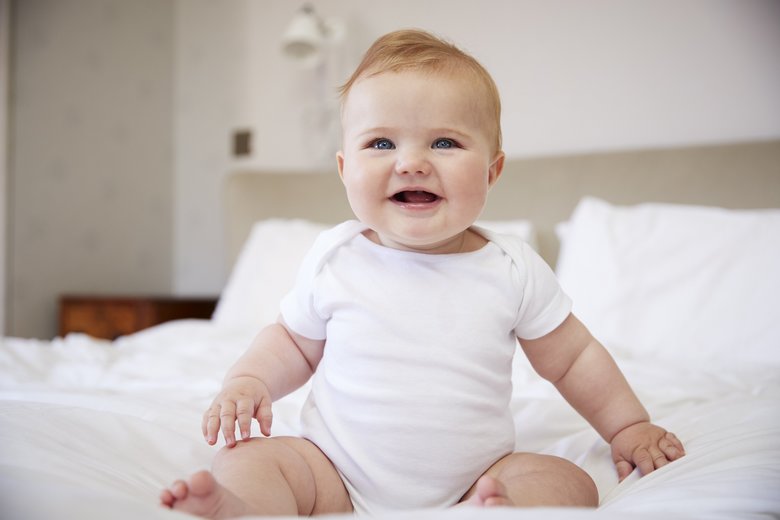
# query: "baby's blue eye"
{"points": [[444, 143], [383, 144]]}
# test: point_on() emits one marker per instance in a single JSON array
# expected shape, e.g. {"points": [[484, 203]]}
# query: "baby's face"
{"points": [[418, 158]]}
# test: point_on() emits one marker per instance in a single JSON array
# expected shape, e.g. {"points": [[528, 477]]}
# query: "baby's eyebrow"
{"points": [[450, 132], [373, 131], [433, 132]]}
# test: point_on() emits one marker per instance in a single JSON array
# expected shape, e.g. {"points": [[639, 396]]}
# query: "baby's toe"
{"points": [[179, 490], [166, 498], [202, 483], [498, 502]]}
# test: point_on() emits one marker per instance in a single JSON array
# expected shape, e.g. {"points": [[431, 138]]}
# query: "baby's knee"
{"points": [[252, 451], [579, 485], [573, 485]]}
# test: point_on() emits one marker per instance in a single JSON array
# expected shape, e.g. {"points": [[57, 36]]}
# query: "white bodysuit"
{"points": [[411, 398]]}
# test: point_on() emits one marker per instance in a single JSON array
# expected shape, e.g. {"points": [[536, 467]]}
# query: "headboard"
{"points": [[544, 190]]}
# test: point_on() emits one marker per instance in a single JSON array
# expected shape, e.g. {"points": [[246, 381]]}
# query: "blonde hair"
{"points": [[418, 50]]}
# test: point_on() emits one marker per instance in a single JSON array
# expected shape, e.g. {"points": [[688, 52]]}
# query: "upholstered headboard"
{"points": [[544, 190]]}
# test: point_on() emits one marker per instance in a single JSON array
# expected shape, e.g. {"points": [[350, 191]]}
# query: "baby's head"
{"points": [[421, 143], [420, 51]]}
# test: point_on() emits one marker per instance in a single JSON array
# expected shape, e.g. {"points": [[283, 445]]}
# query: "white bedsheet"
{"points": [[91, 429]]}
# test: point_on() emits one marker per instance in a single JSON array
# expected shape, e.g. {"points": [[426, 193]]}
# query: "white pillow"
{"points": [[521, 228], [264, 272], [679, 283]]}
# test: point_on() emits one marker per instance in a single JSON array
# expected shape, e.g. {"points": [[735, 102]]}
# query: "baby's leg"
{"points": [[277, 476], [528, 479]]}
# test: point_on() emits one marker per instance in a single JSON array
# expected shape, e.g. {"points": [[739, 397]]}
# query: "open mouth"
{"points": [[415, 197]]}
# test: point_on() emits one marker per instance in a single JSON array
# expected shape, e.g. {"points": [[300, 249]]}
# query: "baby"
{"points": [[406, 322]]}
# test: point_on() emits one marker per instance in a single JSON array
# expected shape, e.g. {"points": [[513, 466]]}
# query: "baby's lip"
{"points": [[415, 196]]}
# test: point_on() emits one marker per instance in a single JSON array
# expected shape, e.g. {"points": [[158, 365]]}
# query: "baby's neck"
{"points": [[464, 242]]}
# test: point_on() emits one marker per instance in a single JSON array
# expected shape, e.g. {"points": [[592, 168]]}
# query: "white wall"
{"points": [[5, 40], [211, 99], [574, 77], [91, 167]]}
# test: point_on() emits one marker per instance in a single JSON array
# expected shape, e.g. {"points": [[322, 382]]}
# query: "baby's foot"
{"points": [[489, 492], [203, 496]]}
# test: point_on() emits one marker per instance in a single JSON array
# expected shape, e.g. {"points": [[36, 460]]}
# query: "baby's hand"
{"points": [[646, 446], [241, 399]]}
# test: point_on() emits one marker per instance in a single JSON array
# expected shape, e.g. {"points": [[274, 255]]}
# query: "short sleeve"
{"points": [[298, 308], [544, 304]]}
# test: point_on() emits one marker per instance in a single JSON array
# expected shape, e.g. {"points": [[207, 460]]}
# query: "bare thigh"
{"points": [[532, 479], [331, 495], [311, 476]]}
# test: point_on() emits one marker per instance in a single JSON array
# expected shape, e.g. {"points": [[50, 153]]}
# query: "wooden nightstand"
{"points": [[109, 317]]}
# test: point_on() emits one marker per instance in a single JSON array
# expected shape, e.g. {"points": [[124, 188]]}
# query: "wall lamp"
{"points": [[309, 34]]}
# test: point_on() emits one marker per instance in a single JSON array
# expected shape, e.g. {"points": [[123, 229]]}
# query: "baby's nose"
{"points": [[413, 163]]}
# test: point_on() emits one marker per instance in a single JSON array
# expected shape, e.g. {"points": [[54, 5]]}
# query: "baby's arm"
{"points": [[588, 378], [277, 362]]}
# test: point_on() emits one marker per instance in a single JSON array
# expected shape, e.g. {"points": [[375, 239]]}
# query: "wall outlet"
{"points": [[242, 143]]}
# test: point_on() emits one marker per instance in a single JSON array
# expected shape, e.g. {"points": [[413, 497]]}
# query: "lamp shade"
{"points": [[304, 36]]}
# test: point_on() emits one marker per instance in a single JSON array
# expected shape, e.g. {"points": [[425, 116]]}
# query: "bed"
{"points": [[671, 257]]}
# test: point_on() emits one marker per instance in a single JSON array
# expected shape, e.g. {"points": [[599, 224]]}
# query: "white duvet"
{"points": [[93, 429]]}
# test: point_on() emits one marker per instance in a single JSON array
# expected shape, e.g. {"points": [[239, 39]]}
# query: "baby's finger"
{"points": [[244, 409], [624, 469], [265, 416], [671, 446], [644, 461], [659, 458], [210, 424], [227, 417]]}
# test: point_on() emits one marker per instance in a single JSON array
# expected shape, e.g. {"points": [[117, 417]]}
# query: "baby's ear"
{"points": [[340, 163], [496, 167]]}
